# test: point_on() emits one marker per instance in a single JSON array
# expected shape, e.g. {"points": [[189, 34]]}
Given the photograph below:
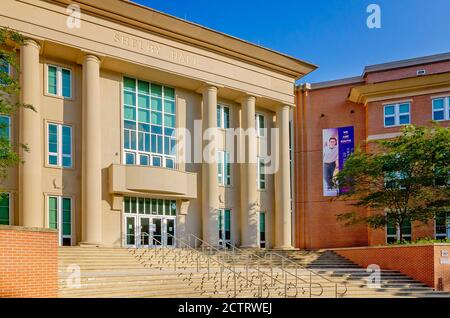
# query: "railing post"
{"points": [[285, 286], [310, 284]]}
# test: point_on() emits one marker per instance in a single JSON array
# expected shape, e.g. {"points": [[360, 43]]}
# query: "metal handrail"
{"points": [[272, 278], [223, 266]]}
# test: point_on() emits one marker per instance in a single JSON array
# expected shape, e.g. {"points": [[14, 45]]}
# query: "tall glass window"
{"points": [[262, 230], [59, 138], [60, 218], [4, 209], [261, 174], [224, 168], [223, 117], [5, 70], [5, 127], [442, 224], [260, 125], [59, 81], [149, 124], [393, 232]]}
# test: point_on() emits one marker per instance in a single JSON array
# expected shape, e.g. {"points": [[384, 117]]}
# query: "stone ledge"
{"points": [[26, 229]]}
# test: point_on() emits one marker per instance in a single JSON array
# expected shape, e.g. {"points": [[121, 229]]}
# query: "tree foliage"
{"points": [[9, 96], [406, 179]]}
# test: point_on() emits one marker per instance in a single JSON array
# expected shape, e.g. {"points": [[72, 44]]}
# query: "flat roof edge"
{"points": [[406, 63], [333, 83]]}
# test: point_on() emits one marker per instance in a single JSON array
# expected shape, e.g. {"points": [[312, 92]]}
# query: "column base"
{"points": [[89, 244], [285, 248]]}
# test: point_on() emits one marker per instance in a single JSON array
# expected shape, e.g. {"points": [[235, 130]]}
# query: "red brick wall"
{"points": [[421, 262], [406, 72], [316, 224], [28, 262]]}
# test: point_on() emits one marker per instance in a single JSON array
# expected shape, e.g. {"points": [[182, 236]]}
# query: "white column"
{"points": [[31, 131], [283, 234], [91, 165], [210, 184], [249, 216]]}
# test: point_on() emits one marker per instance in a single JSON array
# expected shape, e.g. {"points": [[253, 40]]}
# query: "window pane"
{"points": [[5, 127], [219, 116], [156, 104], [130, 113], [156, 161], [67, 140], [156, 90], [157, 118], [169, 121], [143, 87], [173, 208], [129, 158], [52, 80], [226, 117], [389, 121], [169, 106], [133, 204], [129, 84], [389, 110], [67, 162], [52, 213], [404, 119], [170, 163], [169, 93], [404, 108], [438, 115], [67, 216], [144, 101], [53, 160], [4, 209], [144, 116], [143, 160], [129, 98], [438, 104], [66, 83]]}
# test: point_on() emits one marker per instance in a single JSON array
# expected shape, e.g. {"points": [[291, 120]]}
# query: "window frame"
{"points": [[136, 152], [8, 66], [442, 236], [59, 215], [59, 81], [260, 242], [258, 127], [59, 154], [223, 179], [10, 210], [396, 236], [221, 109], [261, 164], [9, 126], [396, 114], [222, 211], [445, 109]]}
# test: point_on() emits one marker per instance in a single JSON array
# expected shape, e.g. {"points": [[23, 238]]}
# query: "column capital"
{"points": [[31, 42], [246, 97], [92, 58], [286, 106], [208, 86]]}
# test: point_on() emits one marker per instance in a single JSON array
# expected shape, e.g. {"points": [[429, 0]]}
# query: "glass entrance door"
{"points": [[157, 231], [144, 227], [224, 223], [170, 232], [130, 230]]}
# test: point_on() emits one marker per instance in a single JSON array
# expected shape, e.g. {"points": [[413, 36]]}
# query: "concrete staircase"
{"points": [[188, 273]]}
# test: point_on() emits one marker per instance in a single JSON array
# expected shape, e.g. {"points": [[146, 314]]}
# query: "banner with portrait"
{"points": [[338, 144]]}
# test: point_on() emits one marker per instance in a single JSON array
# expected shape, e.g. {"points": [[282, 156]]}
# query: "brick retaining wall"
{"points": [[28, 262]]}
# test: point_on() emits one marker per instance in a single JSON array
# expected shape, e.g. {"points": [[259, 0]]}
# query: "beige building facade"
{"points": [[113, 83]]}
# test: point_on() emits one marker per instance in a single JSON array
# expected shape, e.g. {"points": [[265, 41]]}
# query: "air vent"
{"points": [[421, 72]]}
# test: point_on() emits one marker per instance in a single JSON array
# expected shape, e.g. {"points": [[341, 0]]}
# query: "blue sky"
{"points": [[329, 33]]}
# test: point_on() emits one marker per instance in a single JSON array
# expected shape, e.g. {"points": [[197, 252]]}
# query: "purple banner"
{"points": [[338, 144]]}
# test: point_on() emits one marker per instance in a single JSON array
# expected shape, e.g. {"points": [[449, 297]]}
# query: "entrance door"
{"points": [[157, 231], [144, 231], [224, 223], [130, 230], [170, 232]]}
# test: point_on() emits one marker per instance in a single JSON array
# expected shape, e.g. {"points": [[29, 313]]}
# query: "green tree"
{"points": [[9, 97], [406, 179]]}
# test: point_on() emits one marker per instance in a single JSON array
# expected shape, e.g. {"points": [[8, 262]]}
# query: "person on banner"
{"points": [[330, 161]]}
